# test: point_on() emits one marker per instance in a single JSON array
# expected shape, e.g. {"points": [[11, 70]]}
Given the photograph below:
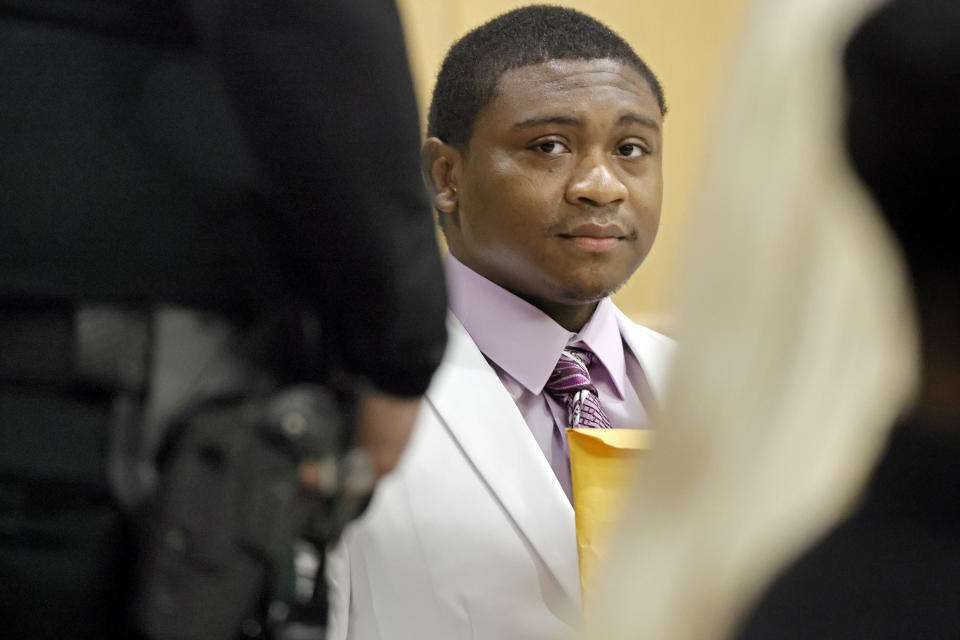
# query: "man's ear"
{"points": [[442, 164]]}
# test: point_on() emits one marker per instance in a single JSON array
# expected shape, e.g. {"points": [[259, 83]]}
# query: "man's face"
{"points": [[557, 195]]}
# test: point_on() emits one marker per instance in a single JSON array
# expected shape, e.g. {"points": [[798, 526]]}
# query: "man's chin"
{"points": [[570, 292], [593, 282], [587, 294]]}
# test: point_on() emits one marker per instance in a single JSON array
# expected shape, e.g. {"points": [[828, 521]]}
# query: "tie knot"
{"points": [[572, 372], [570, 383]]}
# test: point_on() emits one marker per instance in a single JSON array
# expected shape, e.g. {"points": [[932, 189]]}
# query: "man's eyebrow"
{"points": [[548, 119], [642, 120]]}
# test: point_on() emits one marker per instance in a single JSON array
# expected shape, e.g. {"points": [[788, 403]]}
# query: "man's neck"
{"points": [[570, 317]]}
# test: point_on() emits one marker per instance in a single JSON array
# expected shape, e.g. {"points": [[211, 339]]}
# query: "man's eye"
{"points": [[551, 147], [630, 150]]}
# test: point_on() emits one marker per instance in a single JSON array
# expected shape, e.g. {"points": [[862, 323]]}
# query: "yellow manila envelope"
{"points": [[602, 466]]}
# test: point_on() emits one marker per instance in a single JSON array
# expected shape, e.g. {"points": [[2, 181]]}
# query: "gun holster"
{"points": [[229, 508], [207, 462]]}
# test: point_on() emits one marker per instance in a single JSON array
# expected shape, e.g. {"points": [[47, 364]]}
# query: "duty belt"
{"points": [[97, 346], [155, 363]]}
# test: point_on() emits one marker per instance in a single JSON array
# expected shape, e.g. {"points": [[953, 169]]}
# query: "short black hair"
{"points": [[529, 35]]}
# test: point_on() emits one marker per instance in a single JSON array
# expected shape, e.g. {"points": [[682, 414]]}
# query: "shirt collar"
{"points": [[522, 340]]}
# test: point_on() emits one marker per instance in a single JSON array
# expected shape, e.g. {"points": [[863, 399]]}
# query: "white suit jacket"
{"points": [[472, 535]]}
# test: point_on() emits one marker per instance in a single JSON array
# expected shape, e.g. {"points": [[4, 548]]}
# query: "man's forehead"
{"points": [[574, 80], [574, 71]]}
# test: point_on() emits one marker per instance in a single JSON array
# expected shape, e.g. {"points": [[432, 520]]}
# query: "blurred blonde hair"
{"points": [[797, 347]]}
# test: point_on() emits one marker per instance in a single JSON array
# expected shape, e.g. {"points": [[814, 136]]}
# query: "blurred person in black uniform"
{"points": [[892, 568], [230, 157]]}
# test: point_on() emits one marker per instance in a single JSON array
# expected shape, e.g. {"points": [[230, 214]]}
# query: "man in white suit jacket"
{"points": [[544, 156]]}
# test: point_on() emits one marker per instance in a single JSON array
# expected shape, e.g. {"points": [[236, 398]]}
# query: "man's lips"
{"points": [[594, 236]]}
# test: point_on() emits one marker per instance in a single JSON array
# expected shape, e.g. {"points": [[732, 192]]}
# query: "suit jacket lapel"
{"points": [[483, 419], [654, 352]]}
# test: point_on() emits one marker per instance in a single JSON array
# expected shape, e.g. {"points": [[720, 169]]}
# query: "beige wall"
{"points": [[686, 42]]}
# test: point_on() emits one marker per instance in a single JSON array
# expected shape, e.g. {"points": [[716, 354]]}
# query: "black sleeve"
{"points": [[323, 90]]}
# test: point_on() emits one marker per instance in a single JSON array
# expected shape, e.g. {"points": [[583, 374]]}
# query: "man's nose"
{"points": [[595, 183]]}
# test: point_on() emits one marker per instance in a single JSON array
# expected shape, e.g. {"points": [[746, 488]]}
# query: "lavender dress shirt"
{"points": [[523, 345]]}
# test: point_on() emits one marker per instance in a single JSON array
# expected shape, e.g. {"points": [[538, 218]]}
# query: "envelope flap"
{"points": [[599, 440]]}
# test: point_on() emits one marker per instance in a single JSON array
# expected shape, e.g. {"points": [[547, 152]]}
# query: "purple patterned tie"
{"points": [[570, 384]]}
